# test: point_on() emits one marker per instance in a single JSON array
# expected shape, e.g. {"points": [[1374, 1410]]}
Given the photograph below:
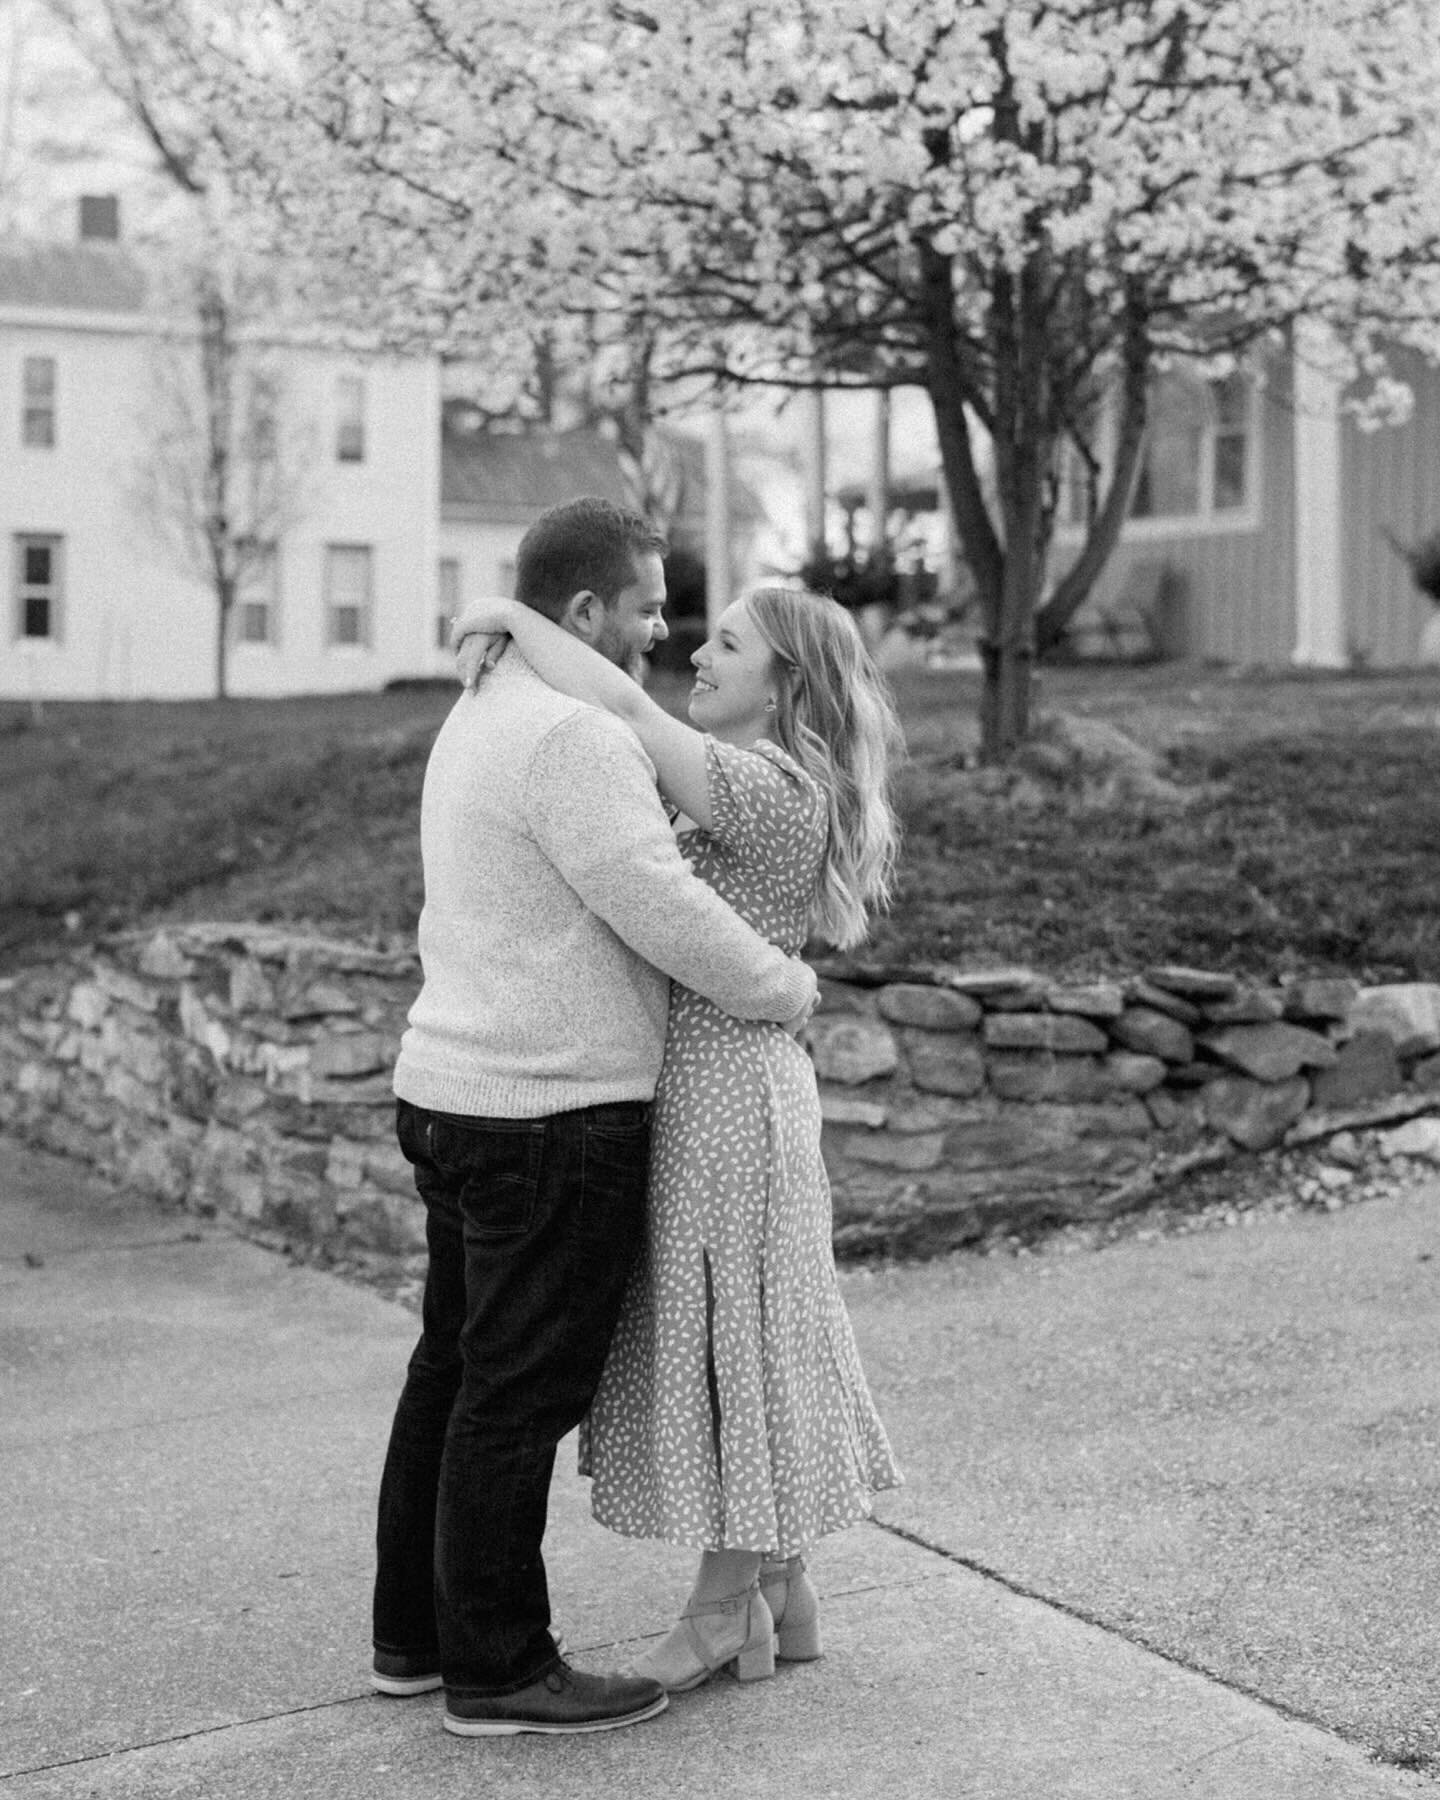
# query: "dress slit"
{"points": [[712, 1378]]}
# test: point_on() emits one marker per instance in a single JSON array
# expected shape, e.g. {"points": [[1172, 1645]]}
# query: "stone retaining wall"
{"points": [[966, 1104], [244, 1071]]}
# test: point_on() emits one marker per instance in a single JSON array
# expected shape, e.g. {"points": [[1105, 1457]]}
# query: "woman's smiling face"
{"points": [[734, 692]]}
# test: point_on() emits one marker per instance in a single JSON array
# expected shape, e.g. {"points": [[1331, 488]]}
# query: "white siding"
{"points": [[485, 553], [1239, 585], [1391, 480]]}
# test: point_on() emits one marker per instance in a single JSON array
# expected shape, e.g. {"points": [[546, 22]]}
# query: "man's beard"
{"points": [[613, 646]]}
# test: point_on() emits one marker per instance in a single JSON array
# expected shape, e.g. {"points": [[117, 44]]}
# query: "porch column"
{"points": [[813, 460], [1320, 636], [719, 546], [878, 497]]}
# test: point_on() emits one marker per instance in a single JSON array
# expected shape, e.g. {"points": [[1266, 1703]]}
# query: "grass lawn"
{"points": [[1310, 839]]}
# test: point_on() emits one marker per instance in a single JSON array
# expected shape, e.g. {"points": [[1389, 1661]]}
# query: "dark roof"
{"points": [[511, 476], [516, 474], [82, 277]]}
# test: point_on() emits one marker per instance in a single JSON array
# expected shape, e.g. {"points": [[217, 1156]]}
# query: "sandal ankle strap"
{"points": [[728, 1603]]}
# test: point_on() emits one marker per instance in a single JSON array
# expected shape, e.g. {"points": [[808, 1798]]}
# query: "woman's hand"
{"points": [[490, 614], [479, 635], [479, 654]]}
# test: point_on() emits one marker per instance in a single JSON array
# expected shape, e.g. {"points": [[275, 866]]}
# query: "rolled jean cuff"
{"points": [[470, 1692]]}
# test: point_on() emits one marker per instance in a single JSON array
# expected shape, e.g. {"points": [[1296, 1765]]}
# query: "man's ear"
{"points": [[583, 614]]}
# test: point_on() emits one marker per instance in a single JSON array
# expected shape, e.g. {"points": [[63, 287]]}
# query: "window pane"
{"points": [[263, 407], [449, 598], [36, 593], [37, 419], [1169, 482], [39, 378], [1077, 487], [1231, 399], [254, 622], [350, 419], [1231, 461], [347, 593], [345, 625]]}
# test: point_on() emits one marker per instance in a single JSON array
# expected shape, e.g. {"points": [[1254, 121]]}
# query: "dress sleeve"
{"points": [[592, 806], [761, 800]]}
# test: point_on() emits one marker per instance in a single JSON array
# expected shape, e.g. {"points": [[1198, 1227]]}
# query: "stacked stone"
{"points": [[244, 1071], [972, 1102], [237, 1070]]}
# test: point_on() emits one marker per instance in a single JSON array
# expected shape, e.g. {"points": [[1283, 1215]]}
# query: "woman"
{"points": [[733, 1415]]}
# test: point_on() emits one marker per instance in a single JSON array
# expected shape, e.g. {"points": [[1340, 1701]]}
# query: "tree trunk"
{"points": [[217, 358], [945, 376], [225, 605], [1004, 700], [1005, 691], [1075, 585], [1009, 656], [1023, 445]]}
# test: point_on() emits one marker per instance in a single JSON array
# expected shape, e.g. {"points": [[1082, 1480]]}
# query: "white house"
{"points": [[100, 605], [396, 507]]}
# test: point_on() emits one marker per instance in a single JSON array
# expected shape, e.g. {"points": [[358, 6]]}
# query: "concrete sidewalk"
{"points": [[1126, 1469]]}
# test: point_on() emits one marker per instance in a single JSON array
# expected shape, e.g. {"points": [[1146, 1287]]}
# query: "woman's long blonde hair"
{"points": [[834, 715]]}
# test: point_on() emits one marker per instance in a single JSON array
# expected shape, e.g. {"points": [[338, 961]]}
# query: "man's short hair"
{"points": [[586, 543]]}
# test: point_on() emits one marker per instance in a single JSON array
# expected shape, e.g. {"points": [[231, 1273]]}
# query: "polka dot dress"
{"points": [[733, 1413]]}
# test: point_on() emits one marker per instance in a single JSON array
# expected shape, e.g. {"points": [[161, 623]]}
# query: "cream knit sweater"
{"points": [[557, 907]]}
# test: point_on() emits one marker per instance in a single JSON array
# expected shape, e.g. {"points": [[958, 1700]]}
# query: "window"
{"points": [[1231, 398], [37, 589], [350, 419], [257, 606], [347, 596], [1078, 495], [37, 423], [262, 410], [1198, 449], [449, 596]]}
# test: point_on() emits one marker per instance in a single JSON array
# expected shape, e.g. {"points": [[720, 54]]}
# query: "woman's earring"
{"points": [[769, 706]]}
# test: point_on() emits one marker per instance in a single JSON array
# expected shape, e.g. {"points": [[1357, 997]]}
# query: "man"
{"points": [[557, 907]]}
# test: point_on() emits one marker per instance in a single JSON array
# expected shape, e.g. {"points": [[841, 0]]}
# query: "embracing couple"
{"points": [[615, 1135]]}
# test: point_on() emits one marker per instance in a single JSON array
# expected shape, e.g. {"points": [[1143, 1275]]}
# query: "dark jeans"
{"points": [[533, 1226]]}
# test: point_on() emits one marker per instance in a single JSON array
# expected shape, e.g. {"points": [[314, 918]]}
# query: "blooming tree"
{"points": [[1024, 206]]}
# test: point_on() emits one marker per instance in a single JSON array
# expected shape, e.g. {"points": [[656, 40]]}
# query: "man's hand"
{"points": [[796, 1025]]}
